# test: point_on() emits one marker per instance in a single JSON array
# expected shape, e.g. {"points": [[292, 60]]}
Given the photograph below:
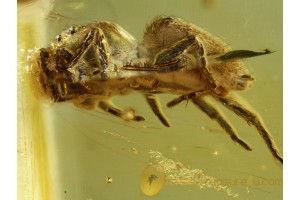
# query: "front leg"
{"points": [[94, 39], [127, 115], [102, 50], [89, 39]]}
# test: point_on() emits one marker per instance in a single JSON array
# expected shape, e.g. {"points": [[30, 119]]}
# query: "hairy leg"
{"points": [[216, 115], [84, 46], [181, 98], [155, 106], [254, 120]]}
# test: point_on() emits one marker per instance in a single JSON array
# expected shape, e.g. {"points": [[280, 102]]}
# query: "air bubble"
{"points": [[152, 179]]}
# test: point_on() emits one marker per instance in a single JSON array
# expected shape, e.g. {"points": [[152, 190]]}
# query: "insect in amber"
{"points": [[87, 65]]}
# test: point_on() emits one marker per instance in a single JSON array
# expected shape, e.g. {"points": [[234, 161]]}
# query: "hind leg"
{"points": [[254, 120], [216, 115]]}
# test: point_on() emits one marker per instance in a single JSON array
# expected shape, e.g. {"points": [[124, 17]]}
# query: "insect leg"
{"points": [[216, 115], [166, 55], [166, 60], [126, 115], [181, 98], [155, 106], [84, 46], [102, 52], [87, 103], [254, 120], [189, 45], [202, 64]]}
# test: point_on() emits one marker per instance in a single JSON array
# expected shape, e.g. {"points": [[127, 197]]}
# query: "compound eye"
{"points": [[44, 53], [73, 29], [58, 38]]}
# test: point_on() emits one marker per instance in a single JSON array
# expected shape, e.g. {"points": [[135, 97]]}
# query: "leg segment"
{"points": [[155, 106], [166, 55], [254, 120], [102, 52], [85, 45], [214, 114], [166, 60], [181, 98], [87, 103], [126, 115], [94, 38], [190, 45]]}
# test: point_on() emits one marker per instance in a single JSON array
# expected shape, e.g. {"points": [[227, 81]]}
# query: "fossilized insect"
{"points": [[87, 65]]}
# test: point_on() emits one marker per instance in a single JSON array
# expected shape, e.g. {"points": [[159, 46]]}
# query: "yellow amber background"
{"points": [[67, 153]]}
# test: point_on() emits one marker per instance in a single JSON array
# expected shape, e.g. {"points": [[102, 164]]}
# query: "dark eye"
{"points": [[44, 56], [44, 53], [64, 53], [72, 29], [58, 38]]}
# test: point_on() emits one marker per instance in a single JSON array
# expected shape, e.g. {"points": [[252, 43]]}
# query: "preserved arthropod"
{"points": [[89, 64]]}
